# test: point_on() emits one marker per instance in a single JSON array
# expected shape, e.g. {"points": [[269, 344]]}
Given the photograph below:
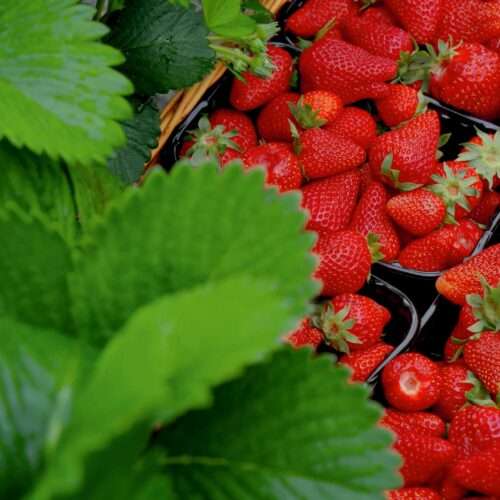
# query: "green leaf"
{"points": [[58, 93], [289, 428], [38, 185], [37, 382], [166, 359], [257, 11], [191, 227], [142, 132], [165, 45], [34, 264], [224, 17]]}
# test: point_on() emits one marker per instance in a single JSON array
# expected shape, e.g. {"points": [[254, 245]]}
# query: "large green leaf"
{"points": [[37, 184], [165, 361], [39, 370], [34, 264], [58, 94], [142, 133], [191, 227], [290, 428], [165, 45], [225, 18]]}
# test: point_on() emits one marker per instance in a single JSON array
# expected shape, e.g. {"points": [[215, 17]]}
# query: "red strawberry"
{"points": [[405, 158], [473, 428], [379, 14], [351, 72], [363, 363], [411, 382], [460, 21], [450, 489], [494, 44], [235, 121], [485, 309], [370, 217], [417, 493], [281, 165], [366, 177], [459, 186], [454, 347], [253, 91], [305, 335], [352, 322], [345, 262], [273, 121], [400, 104], [331, 201], [419, 17], [310, 18], [464, 279], [355, 124], [468, 78], [454, 386], [422, 421], [418, 212], [483, 153], [316, 108], [466, 237], [380, 39], [323, 154], [481, 471], [487, 208], [482, 355]]}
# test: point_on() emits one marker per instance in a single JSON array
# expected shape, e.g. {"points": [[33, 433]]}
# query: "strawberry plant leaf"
{"points": [[321, 442], [224, 17], [40, 369], [191, 227], [58, 93], [34, 264], [142, 132], [165, 45]]}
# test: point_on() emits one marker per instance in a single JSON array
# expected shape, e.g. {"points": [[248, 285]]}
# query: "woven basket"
{"points": [[185, 100]]}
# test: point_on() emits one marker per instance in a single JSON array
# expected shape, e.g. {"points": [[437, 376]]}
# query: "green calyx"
{"points": [[364, 4], [454, 188], [210, 143], [478, 395], [485, 157], [374, 246], [486, 308], [306, 116], [336, 328], [392, 174], [303, 43]]}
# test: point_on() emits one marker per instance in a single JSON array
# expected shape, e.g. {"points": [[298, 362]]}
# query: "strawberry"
{"points": [[352, 322], [459, 186], [253, 91], [405, 158], [345, 262], [482, 355], [355, 124], [379, 14], [417, 493], [281, 165], [494, 44], [370, 217], [400, 105], [363, 363], [486, 208], [464, 279], [305, 335], [460, 21], [455, 385], [316, 108], [351, 72], [331, 201], [450, 489], [468, 78], [273, 122], [236, 121], [473, 428], [311, 17], [323, 154], [366, 177], [483, 153], [481, 471], [418, 212], [411, 382], [422, 421], [419, 17], [485, 309], [380, 39], [454, 345], [466, 237]]}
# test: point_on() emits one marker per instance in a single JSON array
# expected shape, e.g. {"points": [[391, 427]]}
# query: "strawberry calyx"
{"points": [[485, 157], [486, 308], [336, 328], [478, 395], [374, 246], [392, 174], [364, 4], [306, 116], [303, 43], [454, 188]]}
